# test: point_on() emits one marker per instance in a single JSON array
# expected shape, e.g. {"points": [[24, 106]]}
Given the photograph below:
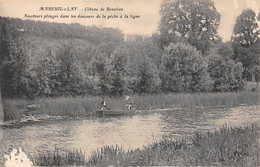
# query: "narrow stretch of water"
{"points": [[130, 132]]}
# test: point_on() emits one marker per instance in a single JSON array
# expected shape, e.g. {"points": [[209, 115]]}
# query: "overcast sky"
{"points": [[148, 10]]}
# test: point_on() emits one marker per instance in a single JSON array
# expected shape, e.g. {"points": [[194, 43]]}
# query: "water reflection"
{"points": [[129, 132], [183, 123], [241, 116]]}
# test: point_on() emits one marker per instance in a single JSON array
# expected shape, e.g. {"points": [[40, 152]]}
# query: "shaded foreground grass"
{"points": [[228, 146], [83, 106], [61, 158]]}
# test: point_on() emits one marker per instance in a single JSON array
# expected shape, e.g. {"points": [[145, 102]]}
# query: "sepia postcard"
{"points": [[129, 83]]}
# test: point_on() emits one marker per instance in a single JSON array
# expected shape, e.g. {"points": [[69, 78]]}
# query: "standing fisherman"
{"points": [[129, 102], [103, 104]]}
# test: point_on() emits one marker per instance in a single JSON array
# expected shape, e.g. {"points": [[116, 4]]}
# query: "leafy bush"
{"points": [[183, 69]]}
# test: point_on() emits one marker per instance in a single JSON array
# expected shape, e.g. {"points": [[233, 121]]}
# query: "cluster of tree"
{"points": [[196, 22], [187, 55], [246, 44]]}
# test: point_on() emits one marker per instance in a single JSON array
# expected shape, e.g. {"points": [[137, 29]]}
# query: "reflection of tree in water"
{"points": [[183, 123]]}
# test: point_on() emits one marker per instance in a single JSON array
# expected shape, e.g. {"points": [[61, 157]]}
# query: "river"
{"points": [[130, 132]]}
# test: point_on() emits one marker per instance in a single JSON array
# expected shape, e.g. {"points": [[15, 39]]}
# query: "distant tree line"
{"points": [[186, 55]]}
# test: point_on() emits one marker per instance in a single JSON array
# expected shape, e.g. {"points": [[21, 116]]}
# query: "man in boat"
{"points": [[129, 102], [103, 104]]}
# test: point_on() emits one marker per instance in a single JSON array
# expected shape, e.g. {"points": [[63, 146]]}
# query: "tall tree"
{"points": [[71, 75], [100, 71], [246, 30], [225, 72], [46, 69], [195, 21], [117, 72], [255, 72], [1, 108], [4, 44], [147, 78], [17, 79], [246, 40]]}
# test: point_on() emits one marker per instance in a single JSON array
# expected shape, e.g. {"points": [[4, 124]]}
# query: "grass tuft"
{"points": [[60, 158]]}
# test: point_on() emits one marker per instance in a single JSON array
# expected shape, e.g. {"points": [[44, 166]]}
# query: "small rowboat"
{"points": [[114, 112]]}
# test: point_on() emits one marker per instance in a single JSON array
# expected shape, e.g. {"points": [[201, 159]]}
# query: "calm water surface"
{"points": [[130, 132]]}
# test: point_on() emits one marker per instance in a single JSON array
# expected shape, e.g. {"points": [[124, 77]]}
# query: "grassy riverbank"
{"points": [[83, 106], [228, 146]]}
